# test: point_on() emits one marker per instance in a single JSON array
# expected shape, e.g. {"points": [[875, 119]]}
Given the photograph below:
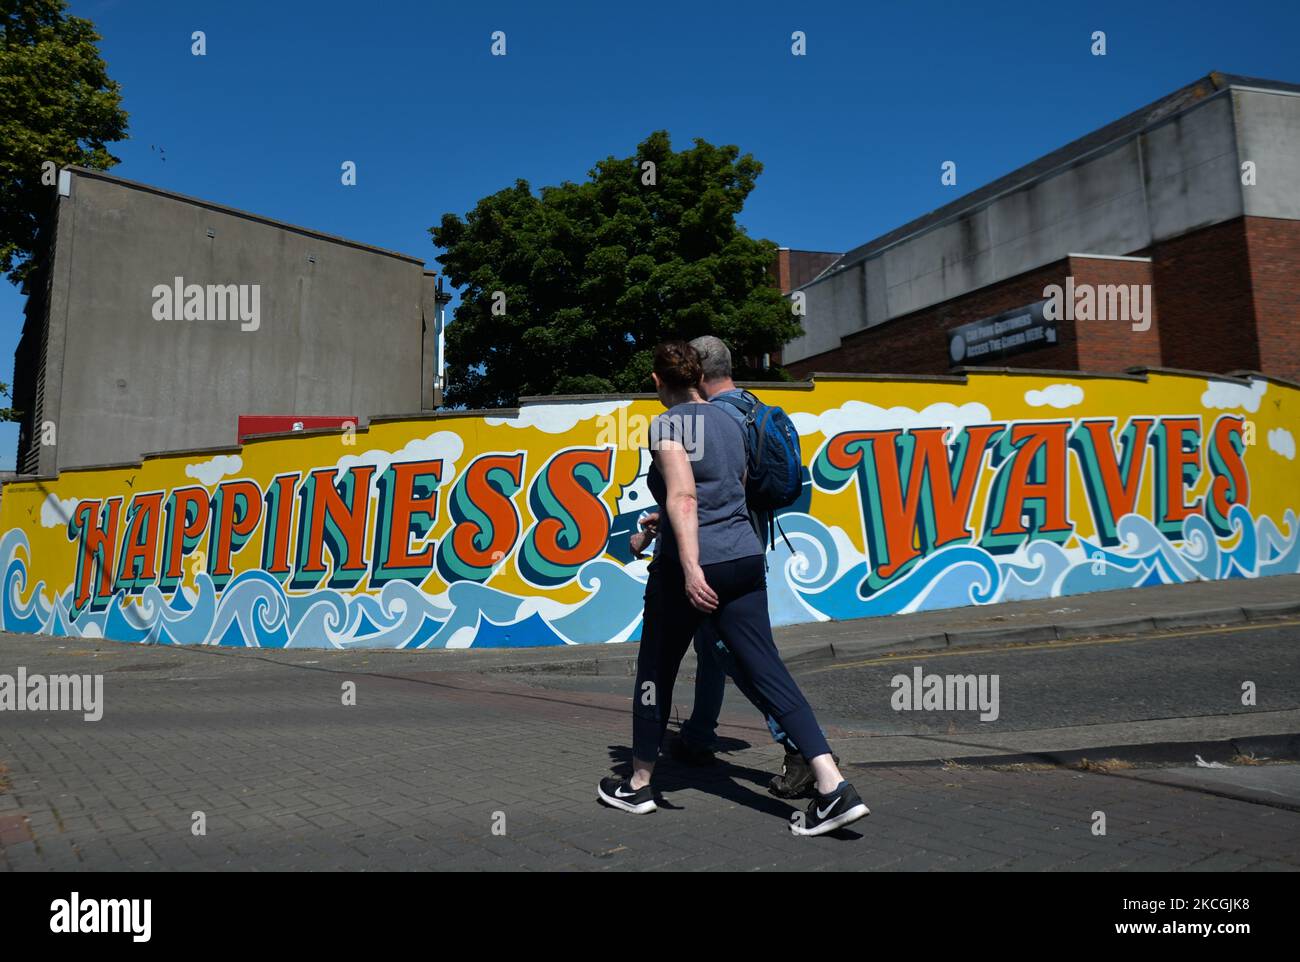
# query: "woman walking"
{"points": [[709, 563]]}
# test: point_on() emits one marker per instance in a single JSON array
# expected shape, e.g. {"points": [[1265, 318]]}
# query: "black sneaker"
{"points": [[828, 812], [617, 793], [686, 753], [796, 778]]}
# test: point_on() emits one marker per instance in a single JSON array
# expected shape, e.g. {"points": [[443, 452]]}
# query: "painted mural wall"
{"points": [[478, 531]]}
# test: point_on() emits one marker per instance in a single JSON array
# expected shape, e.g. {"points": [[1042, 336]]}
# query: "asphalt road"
{"points": [[420, 771], [1177, 674]]}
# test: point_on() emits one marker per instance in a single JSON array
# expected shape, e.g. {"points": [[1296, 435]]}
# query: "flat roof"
{"points": [[1127, 126], [247, 215]]}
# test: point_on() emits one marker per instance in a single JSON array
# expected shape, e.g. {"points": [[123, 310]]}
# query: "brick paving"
{"points": [[411, 776]]}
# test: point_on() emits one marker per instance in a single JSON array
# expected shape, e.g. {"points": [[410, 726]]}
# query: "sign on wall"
{"points": [[462, 531], [1003, 335]]}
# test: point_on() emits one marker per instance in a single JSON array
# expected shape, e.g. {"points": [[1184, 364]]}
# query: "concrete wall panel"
{"points": [[1268, 133], [342, 335]]}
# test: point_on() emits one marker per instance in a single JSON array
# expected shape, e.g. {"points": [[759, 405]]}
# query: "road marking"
{"points": [[1051, 645]]}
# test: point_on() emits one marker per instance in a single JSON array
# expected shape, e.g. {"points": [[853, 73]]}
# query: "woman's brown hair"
{"points": [[678, 364]]}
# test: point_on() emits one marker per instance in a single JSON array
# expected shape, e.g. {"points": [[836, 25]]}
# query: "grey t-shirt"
{"points": [[715, 448]]}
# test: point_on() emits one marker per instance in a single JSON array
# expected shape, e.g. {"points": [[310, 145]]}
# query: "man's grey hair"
{"points": [[714, 357]]}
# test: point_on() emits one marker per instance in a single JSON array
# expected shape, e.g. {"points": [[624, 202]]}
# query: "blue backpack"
{"points": [[775, 475]]}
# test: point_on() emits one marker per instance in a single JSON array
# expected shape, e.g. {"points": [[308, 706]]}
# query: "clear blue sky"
{"points": [[851, 136]]}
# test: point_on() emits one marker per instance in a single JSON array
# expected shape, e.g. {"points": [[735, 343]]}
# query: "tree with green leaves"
{"points": [[57, 107], [8, 414], [568, 291]]}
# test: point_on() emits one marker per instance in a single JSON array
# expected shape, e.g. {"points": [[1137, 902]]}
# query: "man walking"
{"points": [[713, 660]]}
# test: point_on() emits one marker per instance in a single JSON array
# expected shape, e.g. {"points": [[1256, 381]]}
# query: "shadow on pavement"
{"points": [[722, 779]]}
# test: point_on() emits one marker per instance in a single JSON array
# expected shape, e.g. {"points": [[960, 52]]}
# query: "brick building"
{"points": [[1190, 203]]}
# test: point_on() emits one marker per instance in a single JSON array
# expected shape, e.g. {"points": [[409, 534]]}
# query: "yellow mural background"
{"points": [[1274, 477]]}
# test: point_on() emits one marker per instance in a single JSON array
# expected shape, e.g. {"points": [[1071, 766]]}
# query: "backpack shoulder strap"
{"points": [[744, 404]]}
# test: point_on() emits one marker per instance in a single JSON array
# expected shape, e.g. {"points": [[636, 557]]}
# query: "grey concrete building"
{"points": [[1194, 195], [154, 320]]}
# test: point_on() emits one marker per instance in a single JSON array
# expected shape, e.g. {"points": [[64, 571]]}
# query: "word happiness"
{"points": [[916, 488]]}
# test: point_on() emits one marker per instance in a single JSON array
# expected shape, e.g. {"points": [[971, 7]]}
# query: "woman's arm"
{"points": [[638, 541], [681, 507]]}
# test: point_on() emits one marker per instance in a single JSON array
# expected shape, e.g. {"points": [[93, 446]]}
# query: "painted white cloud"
{"points": [[1282, 441], [558, 418], [1224, 394], [635, 496], [1055, 395], [56, 513], [208, 473], [861, 416], [441, 445]]}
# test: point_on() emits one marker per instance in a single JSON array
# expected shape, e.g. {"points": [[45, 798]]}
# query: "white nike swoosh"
{"points": [[829, 809], [619, 793]]}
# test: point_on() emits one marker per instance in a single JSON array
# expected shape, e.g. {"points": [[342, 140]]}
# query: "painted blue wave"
{"points": [[255, 611], [807, 580], [951, 577], [1278, 554], [967, 574], [1047, 562], [811, 566], [33, 617], [619, 608]]}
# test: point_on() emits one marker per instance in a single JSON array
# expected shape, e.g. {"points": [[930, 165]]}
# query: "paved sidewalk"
{"points": [[412, 778]]}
